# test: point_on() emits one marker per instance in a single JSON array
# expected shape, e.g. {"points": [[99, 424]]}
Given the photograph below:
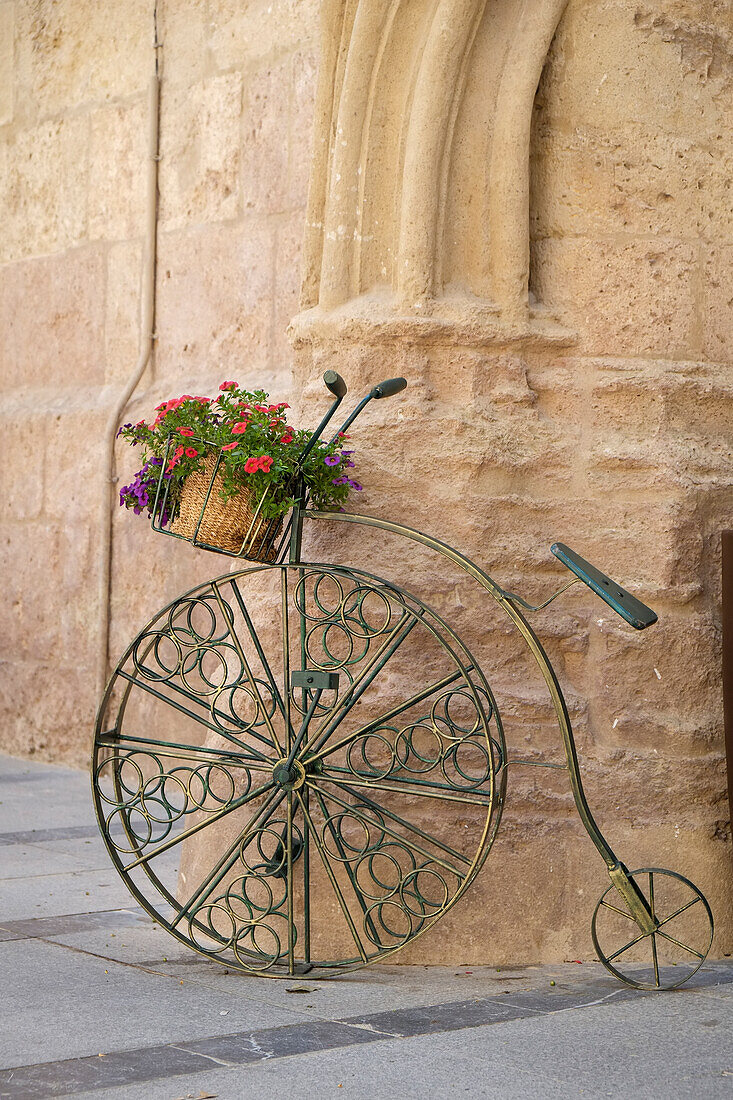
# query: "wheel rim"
{"points": [[318, 827], [667, 956]]}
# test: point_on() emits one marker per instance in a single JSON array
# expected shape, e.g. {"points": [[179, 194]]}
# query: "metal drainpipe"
{"points": [[727, 617], [147, 337]]}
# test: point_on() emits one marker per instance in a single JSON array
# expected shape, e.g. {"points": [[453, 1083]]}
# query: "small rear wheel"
{"points": [[673, 951]]}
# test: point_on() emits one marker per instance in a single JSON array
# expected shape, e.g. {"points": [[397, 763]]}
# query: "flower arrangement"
{"points": [[260, 454]]}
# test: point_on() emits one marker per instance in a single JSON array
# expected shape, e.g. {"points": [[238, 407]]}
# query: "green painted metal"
{"points": [[321, 750]]}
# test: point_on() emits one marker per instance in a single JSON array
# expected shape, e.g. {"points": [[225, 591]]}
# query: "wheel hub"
{"points": [[290, 778]]}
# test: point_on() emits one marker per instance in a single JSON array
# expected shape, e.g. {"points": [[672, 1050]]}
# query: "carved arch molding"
{"points": [[419, 192]]}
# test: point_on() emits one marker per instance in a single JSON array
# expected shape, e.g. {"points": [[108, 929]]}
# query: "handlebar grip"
{"points": [[335, 383], [389, 388], [636, 613]]}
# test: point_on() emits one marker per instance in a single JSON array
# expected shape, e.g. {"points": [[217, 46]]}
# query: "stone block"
{"points": [[43, 188], [22, 464], [7, 60], [118, 167], [183, 29], [215, 296], [200, 151], [77, 54], [266, 125], [54, 309], [618, 62], [47, 720], [288, 250], [625, 298], [259, 29], [633, 181], [305, 71], [122, 310], [42, 621], [74, 441], [718, 308]]}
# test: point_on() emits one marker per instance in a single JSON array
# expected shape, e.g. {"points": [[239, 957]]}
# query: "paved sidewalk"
{"points": [[99, 1002]]}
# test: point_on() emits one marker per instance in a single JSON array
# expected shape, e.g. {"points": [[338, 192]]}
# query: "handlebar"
{"points": [[389, 388]]}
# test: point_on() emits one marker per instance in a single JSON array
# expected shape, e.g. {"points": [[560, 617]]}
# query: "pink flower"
{"points": [[228, 386], [265, 463], [251, 465], [185, 431], [179, 452], [230, 446], [240, 427], [191, 452]]}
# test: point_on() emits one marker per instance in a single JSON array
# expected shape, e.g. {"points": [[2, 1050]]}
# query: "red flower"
{"points": [[251, 465], [265, 463], [230, 446], [179, 452], [287, 438], [228, 386], [240, 427], [185, 431], [191, 452]]}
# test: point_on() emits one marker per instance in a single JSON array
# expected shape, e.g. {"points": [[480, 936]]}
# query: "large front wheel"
{"points": [[298, 767]]}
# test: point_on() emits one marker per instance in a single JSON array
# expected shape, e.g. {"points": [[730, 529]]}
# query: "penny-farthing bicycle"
{"points": [[300, 767]]}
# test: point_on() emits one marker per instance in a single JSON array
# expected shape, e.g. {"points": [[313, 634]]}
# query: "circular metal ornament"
{"points": [[298, 768], [669, 955]]}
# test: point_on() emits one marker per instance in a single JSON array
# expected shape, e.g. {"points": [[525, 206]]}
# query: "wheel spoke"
{"points": [[366, 677], [332, 878], [655, 959], [398, 836], [683, 946], [626, 947], [286, 654], [277, 696], [615, 909], [289, 880], [429, 790], [187, 833], [227, 861], [198, 717], [176, 751], [347, 866], [389, 715], [677, 912], [226, 612]]}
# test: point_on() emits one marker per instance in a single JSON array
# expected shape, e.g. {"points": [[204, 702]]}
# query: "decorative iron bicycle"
{"points": [[296, 731]]}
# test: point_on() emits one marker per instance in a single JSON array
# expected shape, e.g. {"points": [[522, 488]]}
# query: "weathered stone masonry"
{"points": [[551, 271]]}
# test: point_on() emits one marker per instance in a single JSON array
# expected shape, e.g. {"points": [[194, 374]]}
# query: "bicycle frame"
{"points": [[618, 872]]}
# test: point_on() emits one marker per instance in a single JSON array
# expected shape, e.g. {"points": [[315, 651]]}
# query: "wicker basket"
{"points": [[229, 525]]}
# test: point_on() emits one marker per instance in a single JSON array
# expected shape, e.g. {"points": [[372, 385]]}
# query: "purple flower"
{"points": [[332, 460]]}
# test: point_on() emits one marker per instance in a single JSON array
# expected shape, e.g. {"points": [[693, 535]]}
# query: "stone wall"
{"points": [[236, 110], [590, 405]]}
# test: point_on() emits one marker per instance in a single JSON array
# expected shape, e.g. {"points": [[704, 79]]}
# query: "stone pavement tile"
{"points": [[39, 796], [73, 892], [32, 860], [84, 833], [653, 1046], [110, 921], [281, 1042], [59, 1004]]}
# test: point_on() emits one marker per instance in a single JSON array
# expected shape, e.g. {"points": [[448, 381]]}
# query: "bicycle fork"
{"points": [[619, 874]]}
